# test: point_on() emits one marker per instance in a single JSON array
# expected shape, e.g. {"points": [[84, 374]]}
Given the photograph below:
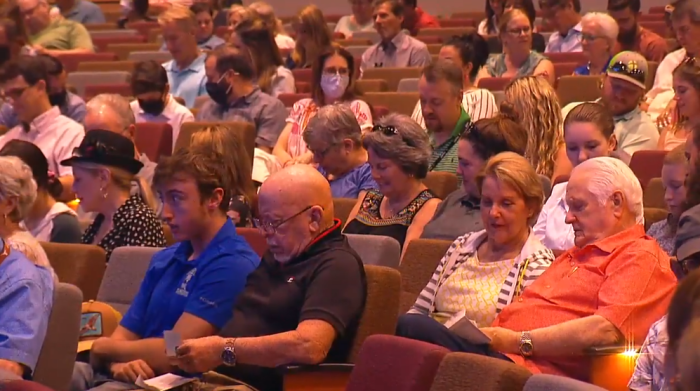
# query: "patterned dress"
{"points": [[134, 224], [369, 221]]}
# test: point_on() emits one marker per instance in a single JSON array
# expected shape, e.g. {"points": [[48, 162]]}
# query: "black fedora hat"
{"points": [[106, 148]]}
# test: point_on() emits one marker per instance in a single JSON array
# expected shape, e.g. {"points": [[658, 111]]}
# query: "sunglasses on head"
{"points": [[630, 69]]}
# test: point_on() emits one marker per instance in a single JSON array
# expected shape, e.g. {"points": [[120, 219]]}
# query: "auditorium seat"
{"points": [[74, 61], [125, 271], [290, 99], [575, 57], [457, 22], [376, 250], [380, 111], [255, 239], [80, 80], [372, 85], [102, 66], [82, 265], [397, 102], [420, 260], [577, 89], [653, 215], [654, 194], [114, 33], [123, 89], [441, 183], [102, 43], [408, 85], [123, 50], [372, 36], [651, 73], [342, 208], [471, 372], [647, 165], [392, 75], [444, 33], [565, 68], [154, 139], [353, 42], [393, 363], [434, 48], [245, 130], [430, 39], [540, 382], [143, 27], [494, 83], [357, 50], [54, 367], [302, 74]]}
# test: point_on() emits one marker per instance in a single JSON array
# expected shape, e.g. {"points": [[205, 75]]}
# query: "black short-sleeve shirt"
{"points": [[327, 282]]}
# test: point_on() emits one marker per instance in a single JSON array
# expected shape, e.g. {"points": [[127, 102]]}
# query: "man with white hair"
{"points": [[609, 288], [53, 35]]}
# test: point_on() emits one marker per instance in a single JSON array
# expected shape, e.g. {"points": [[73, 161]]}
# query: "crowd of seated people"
{"points": [[545, 271]]}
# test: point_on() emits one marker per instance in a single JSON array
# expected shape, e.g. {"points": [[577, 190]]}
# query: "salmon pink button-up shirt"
{"points": [[625, 278]]}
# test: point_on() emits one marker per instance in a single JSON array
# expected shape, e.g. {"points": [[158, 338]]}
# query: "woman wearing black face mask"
{"points": [[153, 103]]}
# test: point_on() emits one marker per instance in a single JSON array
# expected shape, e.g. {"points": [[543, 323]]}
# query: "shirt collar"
{"points": [[628, 116], [247, 99], [612, 242], [400, 41], [318, 245], [195, 66], [216, 245], [44, 120], [574, 30]]}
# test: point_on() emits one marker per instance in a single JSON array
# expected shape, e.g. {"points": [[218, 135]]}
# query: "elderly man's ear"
{"points": [[618, 201]]}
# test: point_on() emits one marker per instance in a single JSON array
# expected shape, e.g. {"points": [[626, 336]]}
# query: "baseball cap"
{"points": [[97, 320], [629, 66]]}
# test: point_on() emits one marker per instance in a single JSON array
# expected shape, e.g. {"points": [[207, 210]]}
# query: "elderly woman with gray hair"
{"points": [[598, 39], [399, 153], [17, 194], [334, 137]]}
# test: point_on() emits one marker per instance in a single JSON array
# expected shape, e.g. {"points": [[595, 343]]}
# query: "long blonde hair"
{"points": [[537, 106], [311, 20], [123, 179], [238, 161]]}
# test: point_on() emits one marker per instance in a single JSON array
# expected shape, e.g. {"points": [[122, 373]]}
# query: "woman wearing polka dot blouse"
{"points": [[105, 168]]}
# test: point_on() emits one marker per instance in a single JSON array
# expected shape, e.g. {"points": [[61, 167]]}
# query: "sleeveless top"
{"points": [[369, 222], [496, 65]]}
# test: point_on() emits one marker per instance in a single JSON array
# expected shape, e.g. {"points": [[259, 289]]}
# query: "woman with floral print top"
{"points": [[104, 167]]}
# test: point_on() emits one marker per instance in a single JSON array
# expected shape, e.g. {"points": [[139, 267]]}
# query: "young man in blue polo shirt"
{"points": [[189, 287]]}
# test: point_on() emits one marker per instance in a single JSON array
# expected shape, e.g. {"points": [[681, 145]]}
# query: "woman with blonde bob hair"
{"points": [[536, 104], [313, 37], [267, 14], [105, 170], [239, 164], [484, 271]]}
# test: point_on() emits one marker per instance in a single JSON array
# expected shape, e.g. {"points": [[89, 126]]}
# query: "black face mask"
{"points": [[58, 98], [152, 107], [219, 92]]}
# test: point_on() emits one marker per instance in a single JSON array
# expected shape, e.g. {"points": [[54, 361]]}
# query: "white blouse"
{"points": [[551, 228]]}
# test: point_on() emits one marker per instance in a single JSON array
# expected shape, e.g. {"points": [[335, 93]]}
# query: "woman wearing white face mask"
{"points": [[334, 76]]}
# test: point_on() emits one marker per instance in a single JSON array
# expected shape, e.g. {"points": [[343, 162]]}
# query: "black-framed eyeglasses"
{"points": [[271, 228], [630, 69]]}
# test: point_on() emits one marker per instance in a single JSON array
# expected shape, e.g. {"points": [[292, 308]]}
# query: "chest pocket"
{"points": [[284, 296], [577, 285]]}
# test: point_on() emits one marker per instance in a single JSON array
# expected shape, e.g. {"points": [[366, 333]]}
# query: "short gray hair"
{"points": [[610, 175], [333, 124], [16, 180], [118, 104], [605, 24], [410, 148]]}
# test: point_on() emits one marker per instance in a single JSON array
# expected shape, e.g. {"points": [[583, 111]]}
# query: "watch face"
{"points": [[228, 357], [526, 349]]}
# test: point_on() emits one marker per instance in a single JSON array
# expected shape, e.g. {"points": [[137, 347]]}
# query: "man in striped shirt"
{"points": [[440, 88]]}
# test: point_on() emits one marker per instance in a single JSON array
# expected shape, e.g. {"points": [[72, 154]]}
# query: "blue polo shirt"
{"points": [[26, 298], [205, 287], [187, 83], [85, 11], [353, 182]]}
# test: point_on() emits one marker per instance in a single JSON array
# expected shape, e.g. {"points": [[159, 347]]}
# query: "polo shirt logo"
{"points": [[290, 279], [182, 290]]}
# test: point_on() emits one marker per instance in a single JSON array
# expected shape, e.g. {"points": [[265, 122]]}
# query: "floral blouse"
{"points": [[304, 109], [134, 224], [661, 231]]}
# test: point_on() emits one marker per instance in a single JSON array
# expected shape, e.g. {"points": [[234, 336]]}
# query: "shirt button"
{"points": [[573, 263], [547, 286]]}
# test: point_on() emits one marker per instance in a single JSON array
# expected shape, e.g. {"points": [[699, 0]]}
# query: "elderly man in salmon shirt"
{"points": [[608, 289]]}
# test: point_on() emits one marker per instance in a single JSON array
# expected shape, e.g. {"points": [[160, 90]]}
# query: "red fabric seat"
{"points": [[122, 89], [154, 139], [575, 57], [290, 99], [564, 68], [23, 385], [144, 28], [461, 22], [302, 75], [71, 61], [647, 165], [380, 111], [387, 362], [255, 239], [494, 83]]}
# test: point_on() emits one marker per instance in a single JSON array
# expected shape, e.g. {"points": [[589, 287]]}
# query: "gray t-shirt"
{"points": [[457, 214]]}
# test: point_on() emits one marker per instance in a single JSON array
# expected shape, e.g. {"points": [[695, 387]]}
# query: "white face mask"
{"points": [[334, 85]]}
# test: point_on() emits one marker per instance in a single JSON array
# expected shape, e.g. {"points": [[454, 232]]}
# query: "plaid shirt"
{"points": [[649, 372]]}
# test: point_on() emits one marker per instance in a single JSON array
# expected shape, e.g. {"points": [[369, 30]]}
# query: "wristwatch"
{"points": [[526, 347], [228, 355]]}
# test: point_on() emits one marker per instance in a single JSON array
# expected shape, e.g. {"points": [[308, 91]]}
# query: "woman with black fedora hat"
{"points": [[104, 168]]}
